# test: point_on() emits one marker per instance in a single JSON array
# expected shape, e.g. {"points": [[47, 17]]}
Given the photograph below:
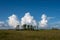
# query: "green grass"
{"points": [[30, 35]]}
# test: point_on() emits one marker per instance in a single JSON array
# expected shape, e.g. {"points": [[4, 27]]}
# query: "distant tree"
{"points": [[24, 26], [31, 27], [28, 27], [54, 28], [35, 27], [17, 27]]}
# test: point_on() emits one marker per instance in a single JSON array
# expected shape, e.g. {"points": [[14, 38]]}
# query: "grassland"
{"points": [[30, 35]]}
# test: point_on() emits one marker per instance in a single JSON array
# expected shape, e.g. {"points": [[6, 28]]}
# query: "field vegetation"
{"points": [[30, 35]]}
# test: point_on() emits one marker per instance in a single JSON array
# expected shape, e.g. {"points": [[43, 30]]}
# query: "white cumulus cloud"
{"points": [[44, 21], [28, 19], [13, 21]]}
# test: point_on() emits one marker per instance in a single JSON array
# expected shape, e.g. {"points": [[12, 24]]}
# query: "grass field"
{"points": [[30, 35]]}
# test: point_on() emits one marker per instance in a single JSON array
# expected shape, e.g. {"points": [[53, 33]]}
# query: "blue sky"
{"points": [[36, 8]]}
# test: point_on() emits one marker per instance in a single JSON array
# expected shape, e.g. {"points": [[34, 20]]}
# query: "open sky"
{"points": [[36, 8]]}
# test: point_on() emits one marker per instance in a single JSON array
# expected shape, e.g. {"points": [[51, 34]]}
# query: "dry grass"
{"points": [[30, 35]]}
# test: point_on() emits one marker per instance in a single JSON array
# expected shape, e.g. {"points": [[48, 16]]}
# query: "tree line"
{"points": [[30, 27], [26, 27]]}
